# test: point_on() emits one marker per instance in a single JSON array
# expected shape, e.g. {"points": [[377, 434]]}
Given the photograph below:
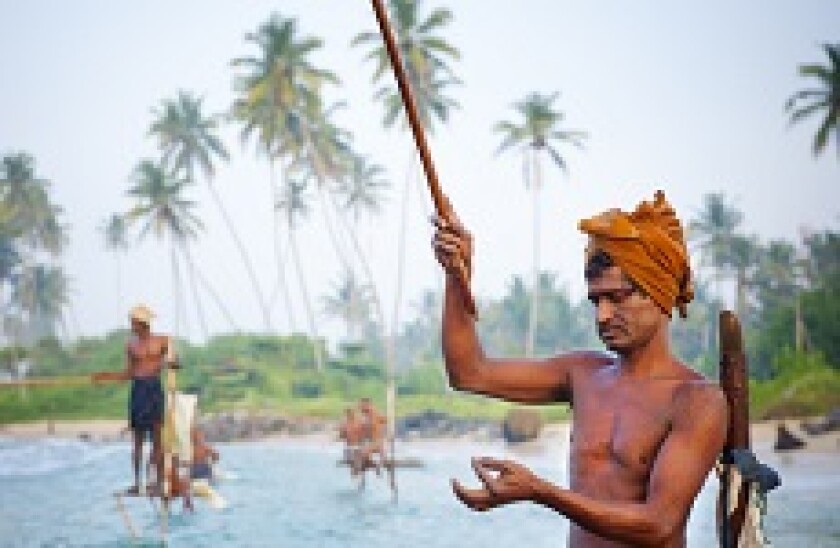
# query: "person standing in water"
{"points": [[146, 355], [374, 426], [350, 431]]}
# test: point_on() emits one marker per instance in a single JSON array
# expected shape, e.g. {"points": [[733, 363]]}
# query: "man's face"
{"points": [[626, 319], [138, 327]]}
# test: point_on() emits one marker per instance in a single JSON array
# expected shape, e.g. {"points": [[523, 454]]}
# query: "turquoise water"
{"points": [[291, 493]]}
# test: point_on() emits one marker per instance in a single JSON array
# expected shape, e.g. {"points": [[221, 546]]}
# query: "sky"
{"points": [[685, 97]]}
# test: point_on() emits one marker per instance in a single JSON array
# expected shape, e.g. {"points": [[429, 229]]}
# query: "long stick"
{"points": [[56, 381], [734, 382], [419, 137]]}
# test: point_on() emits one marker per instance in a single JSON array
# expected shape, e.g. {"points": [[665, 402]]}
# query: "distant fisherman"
{"points": [[351, 432], [146, 354], [373, 431]]}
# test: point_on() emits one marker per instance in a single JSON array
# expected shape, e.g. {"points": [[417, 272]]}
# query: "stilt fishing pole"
{"points": [[419, 138]]}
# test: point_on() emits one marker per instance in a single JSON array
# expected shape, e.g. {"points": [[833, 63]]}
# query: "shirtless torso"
{"points": [[646, 429], [146, 355], [619, 425]]}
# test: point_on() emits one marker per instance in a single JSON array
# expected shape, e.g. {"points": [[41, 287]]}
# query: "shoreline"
{"points": [[112, 430]]}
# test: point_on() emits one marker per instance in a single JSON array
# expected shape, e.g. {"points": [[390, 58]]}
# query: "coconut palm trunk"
{"points": [[191, 279], [281, 283], [533, 315], [214, 296], [176, 293], [307, 304], [244, 256]]}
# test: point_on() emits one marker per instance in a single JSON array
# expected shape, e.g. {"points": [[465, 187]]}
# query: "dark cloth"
{"points": [[201, 470], [145, 405]]}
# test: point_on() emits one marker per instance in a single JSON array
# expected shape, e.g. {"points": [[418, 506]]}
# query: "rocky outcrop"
{"points": [[786, 440], [234, 426], [521, 425], [435, 424], [830, 423]]}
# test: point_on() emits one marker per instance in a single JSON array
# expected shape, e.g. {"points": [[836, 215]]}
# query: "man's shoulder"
{"points": [[698, 395]]}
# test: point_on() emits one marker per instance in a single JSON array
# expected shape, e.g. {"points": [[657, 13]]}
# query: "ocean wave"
{"points": [[21, 458]]}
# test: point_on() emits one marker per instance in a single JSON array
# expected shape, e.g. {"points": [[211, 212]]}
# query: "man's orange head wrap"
{"points": [[649, 246]]}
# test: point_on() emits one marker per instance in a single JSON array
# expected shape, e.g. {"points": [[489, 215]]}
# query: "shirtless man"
{"points": [[646, 429], [373, 435], [353, 435], [145, 357]]}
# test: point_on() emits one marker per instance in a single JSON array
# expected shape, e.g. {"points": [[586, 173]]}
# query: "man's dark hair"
{"points": [[596, 264], [600, 261]]}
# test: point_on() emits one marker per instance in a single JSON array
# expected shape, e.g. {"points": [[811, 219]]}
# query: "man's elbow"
{"points": [[658, 532], [463, 379]]}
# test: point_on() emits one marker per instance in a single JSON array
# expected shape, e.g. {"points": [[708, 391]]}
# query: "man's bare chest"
{"points": [[621, 428], [149, 351]]}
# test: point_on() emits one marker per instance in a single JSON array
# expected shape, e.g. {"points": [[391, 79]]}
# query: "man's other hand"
{"points": [[502, 481]]}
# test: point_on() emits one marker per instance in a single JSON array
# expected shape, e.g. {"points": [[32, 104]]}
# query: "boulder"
{"points": [[786, 440], [521, 425]]}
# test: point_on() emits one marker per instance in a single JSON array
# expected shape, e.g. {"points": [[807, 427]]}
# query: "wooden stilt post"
{"points": [[734, 382]]}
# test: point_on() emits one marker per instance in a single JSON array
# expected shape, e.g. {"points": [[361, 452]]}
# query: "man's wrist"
{"points": [[541, 491]]}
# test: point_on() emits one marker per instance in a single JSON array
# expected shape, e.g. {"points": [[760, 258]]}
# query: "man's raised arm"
{"points": [[468, 369]]}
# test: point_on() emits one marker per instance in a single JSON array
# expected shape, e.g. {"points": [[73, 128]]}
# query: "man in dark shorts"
{"points": [[146, 354]]}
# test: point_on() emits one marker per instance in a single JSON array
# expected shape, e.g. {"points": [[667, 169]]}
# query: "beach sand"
{"points": [[100, 429]]}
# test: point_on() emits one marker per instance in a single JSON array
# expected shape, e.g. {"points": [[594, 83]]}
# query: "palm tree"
{"points": [[744, 256], [362, 190], [115, 232], [293, 204], [31, 227], [278, 87], [10, 256], [536, 133], [351, 302], [42, 293], [37, 219], [165, 212], [425, 58], [324, 159], [714, 229], [188, 140], [822, 99], [778, 279]]}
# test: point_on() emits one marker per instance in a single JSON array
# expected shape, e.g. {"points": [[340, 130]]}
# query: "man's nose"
{"points": [[605, 310]]}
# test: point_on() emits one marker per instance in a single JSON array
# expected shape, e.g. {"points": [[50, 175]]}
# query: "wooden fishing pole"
{"points": [[73, 380], [734, 382], [414, 122]]}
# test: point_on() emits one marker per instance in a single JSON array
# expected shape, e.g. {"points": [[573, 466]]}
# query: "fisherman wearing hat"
{"points": [[146, 354], [646, 429]]}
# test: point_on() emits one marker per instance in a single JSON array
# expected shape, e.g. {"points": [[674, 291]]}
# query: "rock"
{"points": [[521, 425], [785, 440], [830, 423], [435, 424]]}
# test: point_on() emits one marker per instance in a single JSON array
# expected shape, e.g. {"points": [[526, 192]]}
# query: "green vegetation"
{"points": [[245, 372]]}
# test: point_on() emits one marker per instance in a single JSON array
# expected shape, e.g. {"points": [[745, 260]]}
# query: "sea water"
{"points": [[292, 493]]}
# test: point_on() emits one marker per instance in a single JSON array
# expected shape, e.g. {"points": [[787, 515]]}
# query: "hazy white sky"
{"points": [[687, 97]]}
